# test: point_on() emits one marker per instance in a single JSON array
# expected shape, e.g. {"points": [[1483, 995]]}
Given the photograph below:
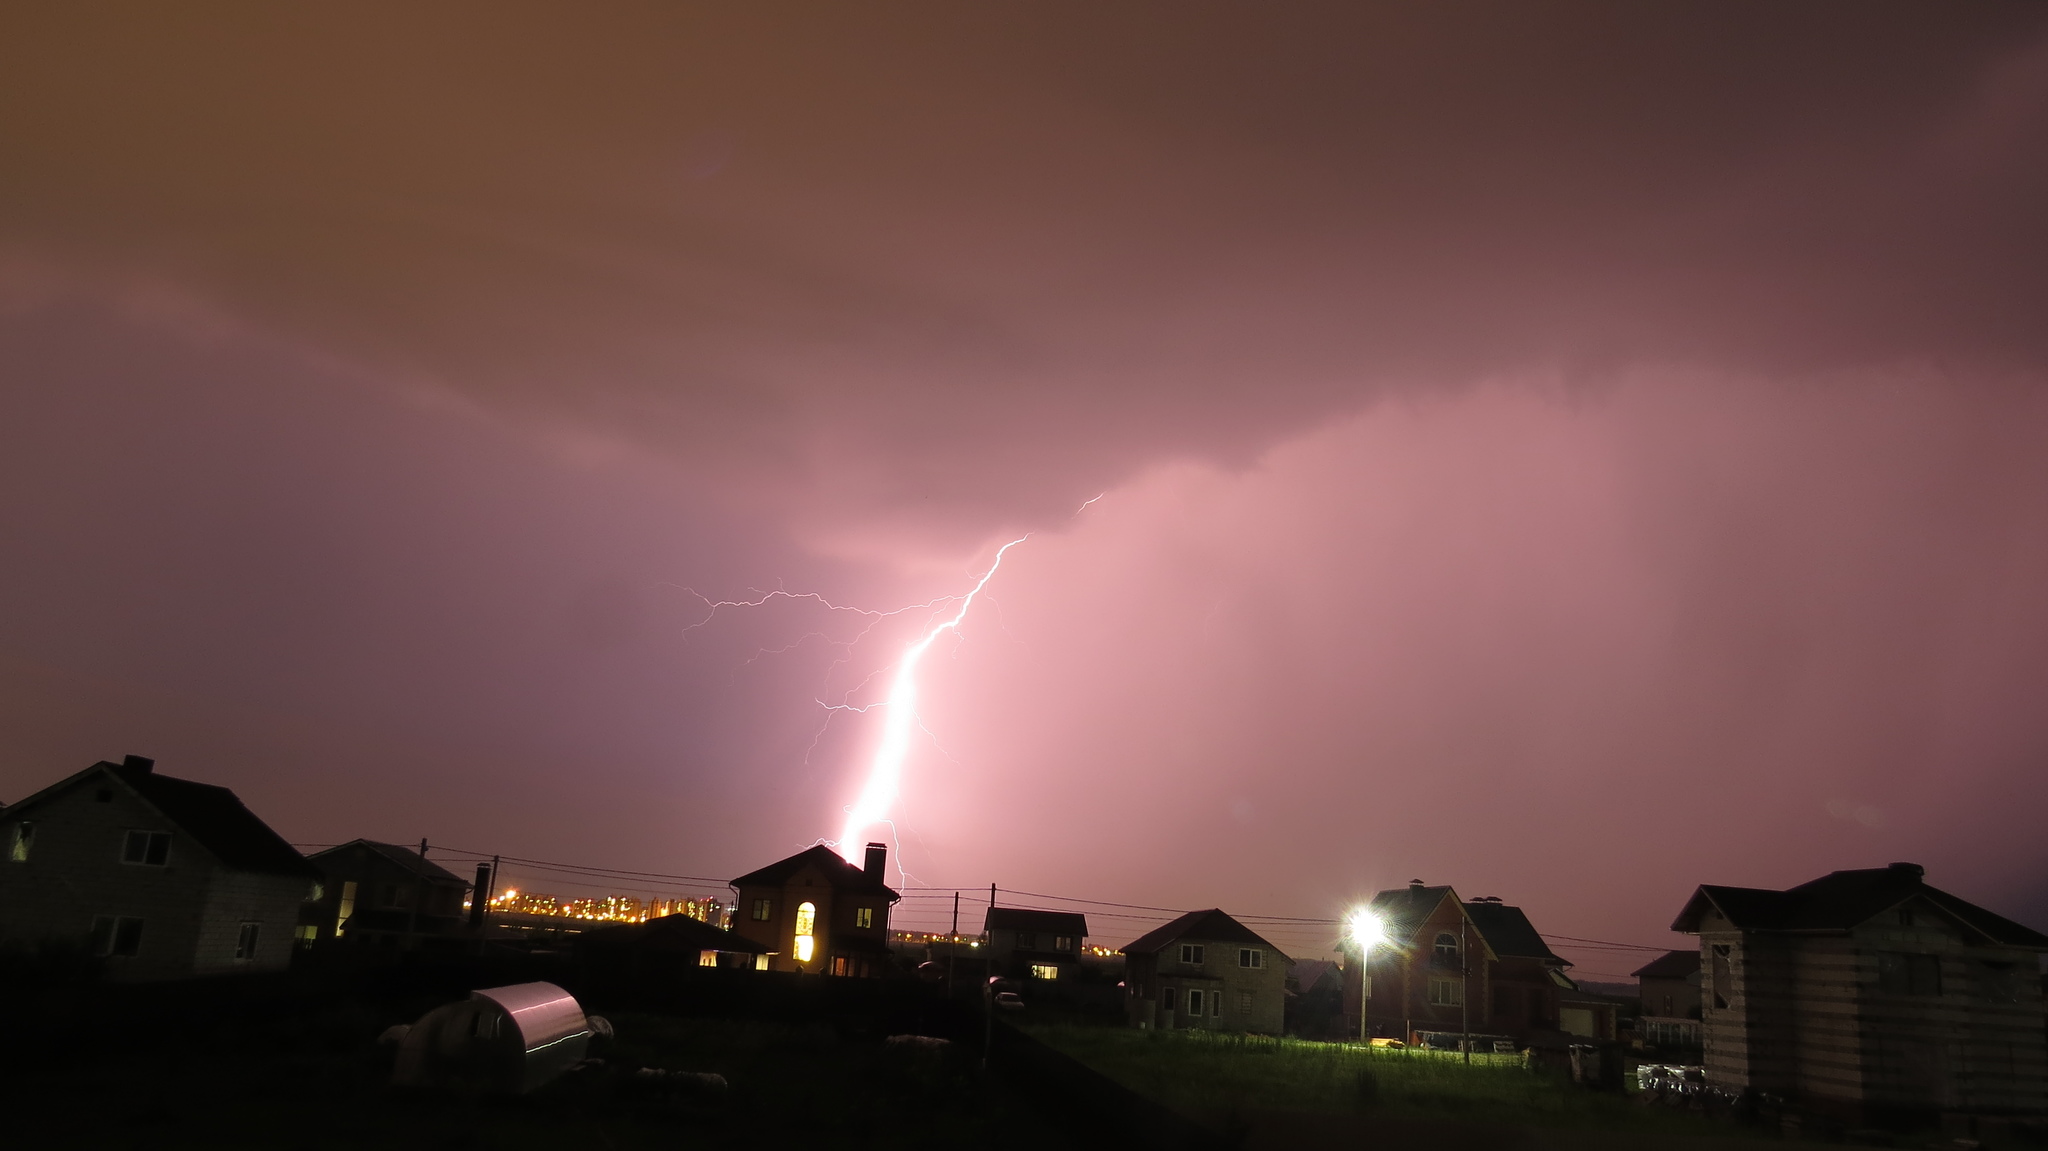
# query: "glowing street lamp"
{"points": [[1367, 931]]}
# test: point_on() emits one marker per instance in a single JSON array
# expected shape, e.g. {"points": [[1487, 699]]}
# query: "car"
{"points": [[1009, 1001]]}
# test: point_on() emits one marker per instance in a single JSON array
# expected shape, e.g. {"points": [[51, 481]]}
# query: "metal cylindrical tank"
{"points": [[501, 1040]]}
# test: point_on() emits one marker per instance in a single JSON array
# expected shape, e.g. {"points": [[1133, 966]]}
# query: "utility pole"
{"points": [[952, 944], [988, 986], [1465, 987]]}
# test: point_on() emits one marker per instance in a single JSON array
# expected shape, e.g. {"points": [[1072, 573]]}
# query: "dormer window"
{"points": [[148, 848]]}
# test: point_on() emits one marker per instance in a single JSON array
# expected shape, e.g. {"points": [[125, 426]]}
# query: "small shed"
{"points": [[501, 1040]]}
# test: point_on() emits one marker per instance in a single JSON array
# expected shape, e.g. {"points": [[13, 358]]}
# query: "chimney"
{"points": [[877, 861], [138, 764], [1415, 883], [1912, 869]]}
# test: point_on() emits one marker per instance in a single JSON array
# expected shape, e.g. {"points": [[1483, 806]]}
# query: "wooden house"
{"points": [[1870, 993], [1209, 971], [383, 895], [1030, 944], [158, 878], [815, 912]]}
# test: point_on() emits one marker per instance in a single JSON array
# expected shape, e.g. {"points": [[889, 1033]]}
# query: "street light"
{"points": [[1367, 931]]}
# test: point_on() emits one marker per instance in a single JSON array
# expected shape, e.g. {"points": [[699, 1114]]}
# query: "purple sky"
{"points": [[1572, 452]]}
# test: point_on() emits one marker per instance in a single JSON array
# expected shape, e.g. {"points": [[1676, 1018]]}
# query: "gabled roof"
{"points": [[1310, 972], [677, 933], [1842, 900], [1509, 931], [1211, 926], [839, 874], [1403, 911], [404, 857], [1670, 965], [211, 815], [1031, 919]]}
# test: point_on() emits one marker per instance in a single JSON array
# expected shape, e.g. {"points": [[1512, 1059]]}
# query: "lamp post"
{"points": [[1367, 931]]}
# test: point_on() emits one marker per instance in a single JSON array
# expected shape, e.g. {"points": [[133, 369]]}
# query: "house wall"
{"points": [[1399, 1003], [835, 930], [1219, 973], [191, 907], [422, 906], [1669, 998]]}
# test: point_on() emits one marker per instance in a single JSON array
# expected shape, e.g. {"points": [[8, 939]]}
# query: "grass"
{"points": [[1212, 1075]]}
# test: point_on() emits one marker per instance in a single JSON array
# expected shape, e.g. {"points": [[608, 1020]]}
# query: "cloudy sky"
{"points": [[1572, 452]]}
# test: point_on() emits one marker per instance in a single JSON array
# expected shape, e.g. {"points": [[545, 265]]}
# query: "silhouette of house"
{"points": [[815, 912], [1026, 943], [1669, 987], [382, 895], [1206, 970], [666, 942], [1871, 993], [161, 878]]}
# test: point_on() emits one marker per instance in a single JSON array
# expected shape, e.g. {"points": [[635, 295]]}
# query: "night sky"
{"points": [[1573, 451]]}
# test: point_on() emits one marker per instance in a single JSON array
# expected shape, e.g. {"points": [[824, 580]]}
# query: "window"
{"points": [[760, 963], [839, 965], [305, 935], [347, 909], [1724, 975], [21, 839], [806, 927], [1168, 996], [1445, 993], [1905, 973], [864, 917], [1250, 957], [1194, 1002], [245, 942], [762, 908], [1446, 950], [390, 895], [1998, 982], [1062, 943], [149, 848], [1244, 1003], [1044, 971], [116, 935], [1027, 941], [707, 959], [1191, 954], [1905, 917]]}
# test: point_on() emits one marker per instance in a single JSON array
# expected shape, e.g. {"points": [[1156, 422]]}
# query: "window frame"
{"points": [[863, 917], [22, 842], [115, 936], [763, 910], [1251, 958], [1193, 954], [1196, 1006], [247, 935], [155, 847], [1446, 992]]}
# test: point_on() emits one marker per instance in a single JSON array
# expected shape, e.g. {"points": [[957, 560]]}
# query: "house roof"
{"points": [[1211, 926], [404, 857], [841, 875], [1309, 972], [678, 933], [1842, 900], [1509, 931], [1670, 965], [1032, 919], [1403, 911]]}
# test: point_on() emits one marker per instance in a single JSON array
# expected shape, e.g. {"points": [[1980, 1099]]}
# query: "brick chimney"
{"points": [[137, 764], [877, 862]]}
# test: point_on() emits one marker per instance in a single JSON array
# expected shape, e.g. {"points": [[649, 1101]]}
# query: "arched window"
{"points": [[1446, 949], [806, 930]]}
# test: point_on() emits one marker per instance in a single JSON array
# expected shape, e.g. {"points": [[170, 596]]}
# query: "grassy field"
{"points": [[1224, 1077]]}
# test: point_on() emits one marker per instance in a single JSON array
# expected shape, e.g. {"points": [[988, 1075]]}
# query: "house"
{"points": [[1453, 967], [1586, 1014], [1206, 970], [815, 912], [1528, 989], [382, 895], [161, 878], [668, 941], [1669, 987], [1315, 1000], [1872, 994], [1023, 942]]}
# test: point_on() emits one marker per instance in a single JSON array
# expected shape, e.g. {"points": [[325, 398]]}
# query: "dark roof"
{"points": [[841, 875], [216, 818], [1309, 972], [1841, 900], [1031, 919], [1403, 909], [1670, 965], [678, 933], [1211, 926], [1509, 931], [404, 857]]}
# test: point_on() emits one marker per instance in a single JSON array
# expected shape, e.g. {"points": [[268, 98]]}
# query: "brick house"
{"points": [[1026, 943], [1669, 989], [1206, 970], [1872, 994], [160, 878], [815, 912], [382, 895], [1449, 966]]}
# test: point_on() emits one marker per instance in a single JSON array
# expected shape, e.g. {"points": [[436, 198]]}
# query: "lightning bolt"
{"points": [[899, 720]]}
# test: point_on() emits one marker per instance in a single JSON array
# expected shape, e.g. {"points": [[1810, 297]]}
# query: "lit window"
{"points": [[115, 935], [839, 965], [1191, 954], [21, 841], [1445, 993], [1250, 957], [761, 908], [864, 917], [245, 942], [348, 906], [149, 848], [760, 963], [305, 935], [1044, 971], [806, 926], [707, 959], [1063, 943], [1194, 1002]]}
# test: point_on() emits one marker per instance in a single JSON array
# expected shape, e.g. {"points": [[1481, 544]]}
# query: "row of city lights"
{"points": [[610, 909]]}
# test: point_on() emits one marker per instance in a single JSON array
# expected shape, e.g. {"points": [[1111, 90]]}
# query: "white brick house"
{"points": [[158, 878]]}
